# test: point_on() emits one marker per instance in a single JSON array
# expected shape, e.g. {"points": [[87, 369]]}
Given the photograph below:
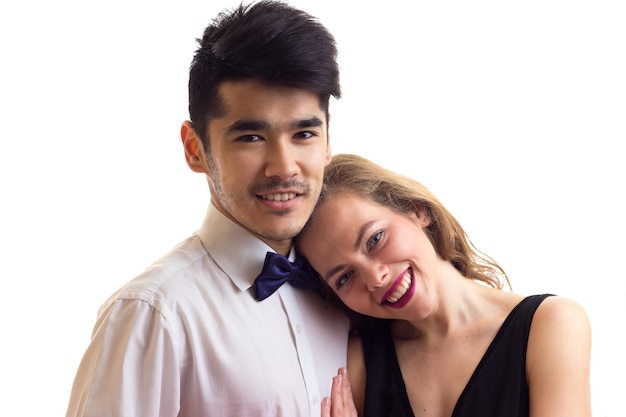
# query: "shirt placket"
{"points": [[303, 347]]}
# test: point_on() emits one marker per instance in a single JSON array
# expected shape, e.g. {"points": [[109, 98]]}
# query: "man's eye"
{"points": [[304, 135], [249, 138], [342, 280], [374, 240]]}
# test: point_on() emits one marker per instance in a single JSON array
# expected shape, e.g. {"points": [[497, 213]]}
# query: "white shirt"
{"points": [[188, 338]]}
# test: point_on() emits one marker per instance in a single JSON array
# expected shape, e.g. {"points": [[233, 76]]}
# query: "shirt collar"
{"points": [[235, 250]]}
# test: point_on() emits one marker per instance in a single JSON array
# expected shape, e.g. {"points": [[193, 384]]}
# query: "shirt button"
{"points": [[314, 399], [298, 329]]}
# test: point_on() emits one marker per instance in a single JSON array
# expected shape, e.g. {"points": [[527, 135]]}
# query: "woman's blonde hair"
{"points": [[356, 175]]}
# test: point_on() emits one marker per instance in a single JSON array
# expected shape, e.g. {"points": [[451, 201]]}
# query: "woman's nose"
{"points": [[376, 276]]}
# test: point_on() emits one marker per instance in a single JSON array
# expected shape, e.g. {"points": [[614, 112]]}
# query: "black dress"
{"points": [[497, 387]]}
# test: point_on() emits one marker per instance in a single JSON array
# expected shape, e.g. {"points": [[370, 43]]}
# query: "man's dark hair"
{"points": [[268, 41]]}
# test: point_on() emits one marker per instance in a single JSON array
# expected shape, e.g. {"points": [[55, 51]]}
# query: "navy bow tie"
{"points": [[277, 270]]}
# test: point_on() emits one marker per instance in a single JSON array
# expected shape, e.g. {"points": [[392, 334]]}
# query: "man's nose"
{"points": [[281, 159]]}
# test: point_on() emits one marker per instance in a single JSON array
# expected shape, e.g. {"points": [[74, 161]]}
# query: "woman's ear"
{"points": [[193, 147], [421, 217]]}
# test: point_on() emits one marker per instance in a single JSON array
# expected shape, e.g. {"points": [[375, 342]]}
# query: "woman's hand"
{"points": [[340, 403]]}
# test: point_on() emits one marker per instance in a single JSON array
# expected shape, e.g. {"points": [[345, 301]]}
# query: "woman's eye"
{"points": [[342, 280], [373, 241]]}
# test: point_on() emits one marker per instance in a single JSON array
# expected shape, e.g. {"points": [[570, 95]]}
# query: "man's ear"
{"points": [[194, 149]]}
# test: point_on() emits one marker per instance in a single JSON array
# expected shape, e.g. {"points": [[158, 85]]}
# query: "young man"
{"points": [[190, 337]]}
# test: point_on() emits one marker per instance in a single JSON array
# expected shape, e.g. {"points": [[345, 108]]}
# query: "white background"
{"points": [[513, 113]]}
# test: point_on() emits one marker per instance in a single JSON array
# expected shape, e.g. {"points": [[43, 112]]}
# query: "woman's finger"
{"points": [[341, 401]]}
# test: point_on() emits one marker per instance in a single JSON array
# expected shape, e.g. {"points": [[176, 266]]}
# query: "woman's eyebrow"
{"points": [[357, 244], [359, 237]]}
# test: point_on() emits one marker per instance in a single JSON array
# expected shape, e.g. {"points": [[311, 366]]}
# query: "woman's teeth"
{"points": [[279, 196], [401, 289]]}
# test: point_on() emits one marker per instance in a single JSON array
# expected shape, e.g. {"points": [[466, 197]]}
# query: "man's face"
{"points": [[266, 160]]}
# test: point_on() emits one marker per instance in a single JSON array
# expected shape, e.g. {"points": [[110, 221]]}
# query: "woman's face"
{"points": [[377, 260]]}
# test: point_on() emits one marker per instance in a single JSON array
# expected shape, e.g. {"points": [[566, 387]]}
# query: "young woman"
{"points": [[445, 338]]}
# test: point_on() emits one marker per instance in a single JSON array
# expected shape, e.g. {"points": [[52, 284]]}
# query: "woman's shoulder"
{"points": [[558, 358], [564, 312], [560, 327]]}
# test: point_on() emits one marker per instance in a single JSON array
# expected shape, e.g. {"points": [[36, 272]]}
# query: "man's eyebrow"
{"points": [[312, 121], [247, 125]]}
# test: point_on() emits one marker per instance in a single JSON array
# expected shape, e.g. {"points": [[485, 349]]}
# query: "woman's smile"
{"points": [[401, 290]]}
